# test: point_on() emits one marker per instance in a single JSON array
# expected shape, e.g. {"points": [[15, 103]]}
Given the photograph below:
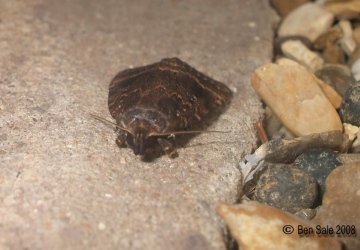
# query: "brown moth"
{"points": [[154, 103]]}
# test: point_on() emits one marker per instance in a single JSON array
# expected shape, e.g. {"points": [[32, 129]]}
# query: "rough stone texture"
{"points": [[285, 187], [318, 162], [350, 106], [341, 203], [258, 226], [286, 151], [63, 181]]}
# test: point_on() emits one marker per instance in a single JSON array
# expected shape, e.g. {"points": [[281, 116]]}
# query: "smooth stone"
{"points": [[284, 7], [350, 106], [330, 93], [345, 10], [319, 163], [334, 54], [356, 34], [347, 42], [285, 187], [297, 51], [328, 43], [292, 93], [258, 226], [354, 56], [341, 203], [309, 20], [337, 76], [355, 69], [280, 40]]}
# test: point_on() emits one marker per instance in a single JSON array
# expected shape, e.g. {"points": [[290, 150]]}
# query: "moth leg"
{"points": [[120, 140], [168, 147]]}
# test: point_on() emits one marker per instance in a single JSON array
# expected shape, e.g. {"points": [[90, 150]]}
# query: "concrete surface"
{"points": [[64, 184]]}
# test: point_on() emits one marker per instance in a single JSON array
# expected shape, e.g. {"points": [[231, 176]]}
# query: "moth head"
{"points": [[140, 135]]}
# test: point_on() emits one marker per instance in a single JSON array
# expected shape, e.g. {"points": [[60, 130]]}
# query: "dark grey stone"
{"points": [[350, 106], [319, 163], [337, 77], [286, 187]]}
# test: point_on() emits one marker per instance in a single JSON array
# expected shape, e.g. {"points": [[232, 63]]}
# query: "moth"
{"points": [[155, 103]]}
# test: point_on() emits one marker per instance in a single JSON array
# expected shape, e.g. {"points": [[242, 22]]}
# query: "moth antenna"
{"points": [[189, 132], [110, 122]]}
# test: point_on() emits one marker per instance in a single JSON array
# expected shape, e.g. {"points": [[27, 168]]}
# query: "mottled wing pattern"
{"points": [[181, 93]]}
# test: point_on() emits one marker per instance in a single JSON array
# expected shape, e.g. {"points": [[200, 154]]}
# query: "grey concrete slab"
{"points": [[64, 184]]}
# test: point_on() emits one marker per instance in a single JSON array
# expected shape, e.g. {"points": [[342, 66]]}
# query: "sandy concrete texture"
{"points": [[64, 184]]}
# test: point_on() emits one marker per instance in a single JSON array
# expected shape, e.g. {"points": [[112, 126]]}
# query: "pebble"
{"points": [[334, 54], [258, 226], [356, 34], [350, 106], [284, 7], [306, 213], [273, 126], [345, 10], [309, 20], [280, 40], [329, 37], [355, 69], [330, 93], [355, 147], [352, 132], [347, 42], [285, 187], [354, 56], [297, 51], [292, 93], [319, 163], [349, 158], [286, 151], [328, 43], [337, 76], [341, 203]]}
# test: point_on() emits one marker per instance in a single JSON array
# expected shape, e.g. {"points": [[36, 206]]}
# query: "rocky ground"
{"points": [[310, 166]]}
